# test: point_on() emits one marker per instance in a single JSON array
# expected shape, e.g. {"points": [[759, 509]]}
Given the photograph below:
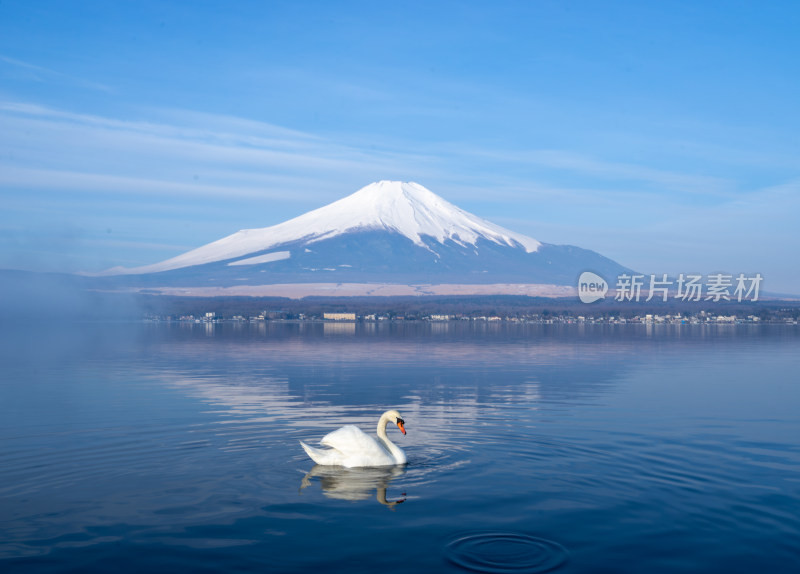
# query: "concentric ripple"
{"points": [[504, 552]]}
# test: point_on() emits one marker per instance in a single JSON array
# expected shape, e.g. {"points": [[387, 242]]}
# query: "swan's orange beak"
{"points": [[401, 427]]}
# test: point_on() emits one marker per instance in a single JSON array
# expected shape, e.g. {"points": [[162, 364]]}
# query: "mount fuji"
{"points": [[388, 232]]}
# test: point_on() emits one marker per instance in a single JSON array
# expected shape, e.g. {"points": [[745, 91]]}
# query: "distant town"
{"points": [[784, 316]]}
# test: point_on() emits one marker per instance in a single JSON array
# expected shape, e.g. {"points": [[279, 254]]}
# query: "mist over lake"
{"points": [[134, 447]]}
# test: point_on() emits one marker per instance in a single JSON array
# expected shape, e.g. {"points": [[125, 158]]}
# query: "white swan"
{"points": [[351, 447]]}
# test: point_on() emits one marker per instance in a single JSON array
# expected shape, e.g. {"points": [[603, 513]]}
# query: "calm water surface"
{"points": [[174, 448]]}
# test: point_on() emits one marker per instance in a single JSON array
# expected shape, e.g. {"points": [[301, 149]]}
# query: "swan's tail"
{"points": [[327, 456], [314, 453]]}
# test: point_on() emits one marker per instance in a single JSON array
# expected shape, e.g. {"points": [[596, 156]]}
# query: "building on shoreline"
{"points": [[339, 316]]}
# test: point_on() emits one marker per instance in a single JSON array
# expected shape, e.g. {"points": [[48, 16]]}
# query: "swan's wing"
{"points": [[350, 439], [327, 456], [356, 447]]}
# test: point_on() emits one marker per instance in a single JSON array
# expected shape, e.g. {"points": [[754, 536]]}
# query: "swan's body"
{"points": [[351, 447]]}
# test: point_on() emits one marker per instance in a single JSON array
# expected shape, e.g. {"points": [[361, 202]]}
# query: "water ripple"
{"points": [[504, 552]]}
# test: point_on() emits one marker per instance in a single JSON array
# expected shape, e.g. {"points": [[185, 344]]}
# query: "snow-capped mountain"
{"points": [[407, 209], [388, 231]]}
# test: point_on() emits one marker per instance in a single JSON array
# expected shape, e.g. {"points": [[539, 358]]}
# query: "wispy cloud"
{"points": [[43, 74], [26, 65], [196, 154], [71, 181], [665, 181]]}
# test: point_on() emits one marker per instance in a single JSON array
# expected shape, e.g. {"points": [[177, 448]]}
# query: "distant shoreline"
{"points": [[28, 295], [303, 290]]}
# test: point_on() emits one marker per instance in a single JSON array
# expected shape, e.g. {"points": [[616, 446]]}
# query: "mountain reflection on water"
{"points": [[164, 447]]}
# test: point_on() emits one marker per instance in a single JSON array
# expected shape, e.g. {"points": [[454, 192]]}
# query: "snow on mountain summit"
{"points": [[414, 211], [406, 208]]}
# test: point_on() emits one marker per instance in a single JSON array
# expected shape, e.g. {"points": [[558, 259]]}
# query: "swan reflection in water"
{"points": [[355, 483]]}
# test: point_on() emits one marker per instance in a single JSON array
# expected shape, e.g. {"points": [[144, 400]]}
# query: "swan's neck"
{"points": [[396, 452]]}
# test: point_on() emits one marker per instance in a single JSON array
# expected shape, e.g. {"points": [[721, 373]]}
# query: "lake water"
{"points": [[531, 448]]}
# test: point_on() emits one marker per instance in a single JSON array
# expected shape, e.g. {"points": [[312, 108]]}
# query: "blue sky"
{"points": [[663, 135]]}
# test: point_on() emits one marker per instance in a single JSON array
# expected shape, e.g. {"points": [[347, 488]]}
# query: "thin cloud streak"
{"points": [[48, 75], [67, 181], [666, 181], [94, 143]]}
